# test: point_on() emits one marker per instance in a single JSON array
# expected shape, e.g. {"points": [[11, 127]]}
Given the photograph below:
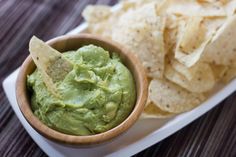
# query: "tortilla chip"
{"points": [[229, 75], [175, 39], [222, 49], [170, 97], [96, 13], [193, 35], [153, 111], [202, 81], [191, 8], [191, 58], [171, 32], [100, 19], [141, 31], [228, 5], [50, 63], [170, 36], [188, 73]]}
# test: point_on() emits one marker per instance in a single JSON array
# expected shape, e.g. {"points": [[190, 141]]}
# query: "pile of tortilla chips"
{"points": [[186, 46]]}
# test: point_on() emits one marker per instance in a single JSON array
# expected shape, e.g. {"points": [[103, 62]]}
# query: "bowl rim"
{"points": [[141, 98]]}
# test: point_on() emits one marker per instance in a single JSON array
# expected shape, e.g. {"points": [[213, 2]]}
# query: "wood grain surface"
{"points": [[212, 135]]}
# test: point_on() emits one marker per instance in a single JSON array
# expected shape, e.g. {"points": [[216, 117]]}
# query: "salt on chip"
{"points": [[141, 30], [172, 98], [222, 49], [153, 111], [202, 81]]}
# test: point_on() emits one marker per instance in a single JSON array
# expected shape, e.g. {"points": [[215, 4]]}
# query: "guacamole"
{"points": [[95, 96]]}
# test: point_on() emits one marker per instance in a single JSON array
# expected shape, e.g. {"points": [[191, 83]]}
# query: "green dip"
{"points": [[97, 95]]}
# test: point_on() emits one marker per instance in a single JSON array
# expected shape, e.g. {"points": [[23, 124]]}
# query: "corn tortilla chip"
{"points": [[153, 111], [222, 49], [189, 73], [178, 43], [191, 58], [171, 32], [95, 14], [172, 98], [193, 35], [50, 62], [191, 8], [141, 31], [170, 36], [100, 19], [202, 81]]}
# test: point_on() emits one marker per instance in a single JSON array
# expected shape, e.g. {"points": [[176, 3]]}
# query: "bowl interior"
{"points": [[73, 42]]}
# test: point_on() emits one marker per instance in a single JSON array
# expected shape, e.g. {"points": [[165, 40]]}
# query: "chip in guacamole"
{"points": [[95, 96]]}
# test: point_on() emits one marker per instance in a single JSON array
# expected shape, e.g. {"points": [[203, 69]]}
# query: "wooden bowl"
{"points": [[73, 42]]}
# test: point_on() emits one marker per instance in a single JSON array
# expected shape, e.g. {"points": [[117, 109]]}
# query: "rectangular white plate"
{"points": [[143, 134]]}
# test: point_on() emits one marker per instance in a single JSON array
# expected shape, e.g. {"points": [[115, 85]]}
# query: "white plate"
{"points": [[142, 135]]}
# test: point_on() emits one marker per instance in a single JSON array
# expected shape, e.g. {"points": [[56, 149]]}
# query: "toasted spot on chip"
{"points": [[172, 98], [219, 71], [170, 36], [141, 31], [202, 81], [223, 2], [229, 75]]}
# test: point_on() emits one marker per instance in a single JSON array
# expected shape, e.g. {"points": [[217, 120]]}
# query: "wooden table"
{"points": [[214, 134]]}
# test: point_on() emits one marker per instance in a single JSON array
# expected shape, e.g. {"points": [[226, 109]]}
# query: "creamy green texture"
{"points": [[97, 95]]}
